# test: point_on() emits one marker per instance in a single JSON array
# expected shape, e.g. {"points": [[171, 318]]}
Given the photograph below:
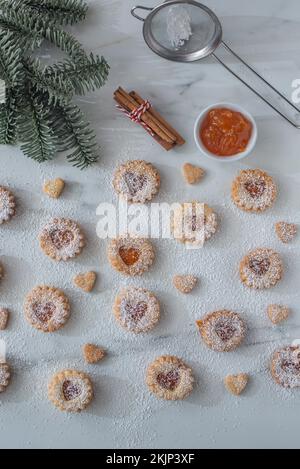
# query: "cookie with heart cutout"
{"points": [[136, 181], [285, 367], [62, 239], [169, 378], [254, 190], [130, 255], [261, 269], [136, 310], [70, 390], [47, 308]]}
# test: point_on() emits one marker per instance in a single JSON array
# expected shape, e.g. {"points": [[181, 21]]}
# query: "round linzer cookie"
{"points": [[169, 378], [7, 205], [136, 181], [222, 331], [254, 190], [261, 269], [47, 308], [194, 223], [62, 239], [70, 390], [4, 376], [285, 367], [130, 255], [136, 310]]}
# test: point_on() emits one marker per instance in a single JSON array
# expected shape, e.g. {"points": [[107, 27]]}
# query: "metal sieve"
{"points": [[206, 37]]}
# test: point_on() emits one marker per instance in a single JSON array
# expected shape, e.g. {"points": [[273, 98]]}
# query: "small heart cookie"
{"points": [[54, 188], [236, 384], [192, 174], [185, 283], [286, 232], [277, 313], [85, 281], [93, 353], [4, 314]]}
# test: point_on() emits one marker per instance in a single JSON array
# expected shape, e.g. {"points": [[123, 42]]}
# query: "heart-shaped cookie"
{"points": [[92, 353], [85, 281], [278, 313], [185, 283], [192, 174], [236, 384], [4, 314], [286, 232], [54, 187]]}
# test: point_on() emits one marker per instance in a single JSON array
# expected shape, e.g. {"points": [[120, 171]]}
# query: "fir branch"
{"points": [[55, 88], [75, 134], [35, 131], [11, 68], [63, 12], [8, 117], [85, 75]]}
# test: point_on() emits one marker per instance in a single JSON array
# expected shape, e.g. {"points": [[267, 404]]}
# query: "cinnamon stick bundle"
{"points": [[154, 123]]}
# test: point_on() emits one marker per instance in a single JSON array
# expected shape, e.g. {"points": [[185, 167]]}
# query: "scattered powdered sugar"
{"points": [[179, 26]]}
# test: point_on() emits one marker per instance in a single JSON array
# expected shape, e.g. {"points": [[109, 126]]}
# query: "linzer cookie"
{"points": [[136, 310], [70, 390], [47, 308], [254, 190], [130, 255], [4, 376], [261, 269], [285, 367], [169, 378], [194, 223], [7, 205], [222, 331], [62, 239], [136, 181]]}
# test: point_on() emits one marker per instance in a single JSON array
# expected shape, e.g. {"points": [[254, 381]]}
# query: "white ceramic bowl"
{"points": [[225, 159]]}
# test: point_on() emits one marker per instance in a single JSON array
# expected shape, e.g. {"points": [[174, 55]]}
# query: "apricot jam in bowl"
{"points": [[225, 132]]}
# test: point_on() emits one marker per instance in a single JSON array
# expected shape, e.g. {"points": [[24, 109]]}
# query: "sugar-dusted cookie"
{"points": [[4, 315], [7, 205], [54, 188], [235, 384], [254, 190], [4, 376], [136, 309], [1, 272], [286, 232], [261, 269], [192, 174], [194, 223], [185, 283], [278, 313], [85, 281], [169, 378], [222, 331], [70, 390], [130, 255], [285, 367], [136, 181], [47, 308], [62, 239], [92, 353]]}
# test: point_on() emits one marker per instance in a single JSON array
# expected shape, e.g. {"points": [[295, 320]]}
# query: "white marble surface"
{"points": [[123, 413]]}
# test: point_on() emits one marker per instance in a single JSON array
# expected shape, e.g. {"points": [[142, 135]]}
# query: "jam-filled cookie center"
{"points": [[224, 329], [135, 182], [259, 266], [61, 238], [169, 380], [255, 188], [291, 365], [70, 390], [136, 311], [44, 311], [129, 255]]}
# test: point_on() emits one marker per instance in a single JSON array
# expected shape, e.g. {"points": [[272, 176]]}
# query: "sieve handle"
{"points": [[268, 84], [139, 7]]}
